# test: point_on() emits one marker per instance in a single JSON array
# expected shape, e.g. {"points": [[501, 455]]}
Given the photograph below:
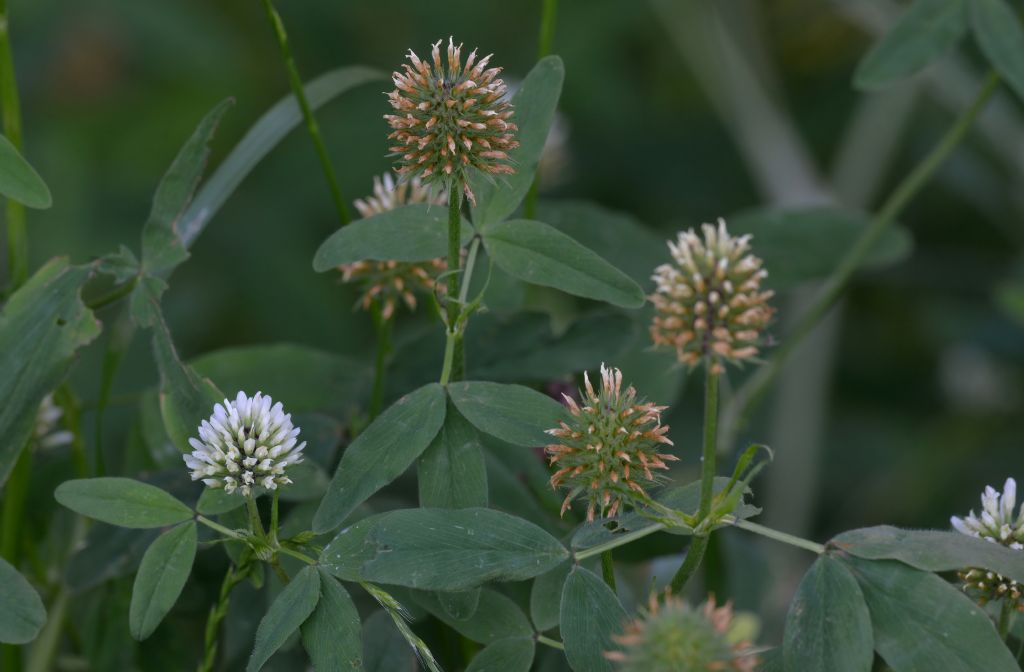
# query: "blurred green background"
{"points": [[902, 408]]}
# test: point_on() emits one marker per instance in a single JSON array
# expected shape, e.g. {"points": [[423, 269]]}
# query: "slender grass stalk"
{"points": [[548, 16], [754, 389], [10, 107], [608, 568], [699, 545], [382, 328], [307, 113]]}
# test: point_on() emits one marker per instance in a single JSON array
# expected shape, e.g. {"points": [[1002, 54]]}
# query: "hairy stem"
{"points": [[453, 367], [307, 113], [608, 568], [755, 387], [10, 107], [699, 545], [217, 613], [785, 538]]}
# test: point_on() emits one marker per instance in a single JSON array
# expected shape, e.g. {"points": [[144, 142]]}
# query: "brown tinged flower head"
{"points": [[608, 449], [450, 117], [392, 282], [671, 636], [709, 304]]}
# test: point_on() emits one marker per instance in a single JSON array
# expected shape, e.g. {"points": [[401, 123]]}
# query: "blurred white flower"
{"points": [[997, 522], [47, 435], [246, 443]]}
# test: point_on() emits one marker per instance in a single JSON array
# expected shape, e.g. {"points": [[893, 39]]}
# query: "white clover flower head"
{"points": [[997, 522], [246, 443]]}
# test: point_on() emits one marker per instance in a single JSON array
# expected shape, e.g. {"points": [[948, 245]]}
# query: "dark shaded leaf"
{"points": [[512, 413], [331, 635], [287, 613], [164, 570], [19, 181], [513, 654], [999, 33], [122, 501], [496, 617], [22, 614], [452, 474], [590, 614]]}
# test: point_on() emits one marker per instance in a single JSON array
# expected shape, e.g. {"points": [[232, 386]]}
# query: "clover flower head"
{"points": [[608, 449], [393, 282], [47, 434], [709, 304], [997, 523], [671, 636], [450, 117], [249, 442]]}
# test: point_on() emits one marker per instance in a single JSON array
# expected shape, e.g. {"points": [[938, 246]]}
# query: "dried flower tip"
{"points": [[608, 450], [670, 636], [709, 304], [246, 443], [450, 117], [996, 524], [392, 283], [47, 434]]}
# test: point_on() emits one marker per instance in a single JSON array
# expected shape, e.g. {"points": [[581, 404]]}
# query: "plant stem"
{"points": [[453, 368], [619, 540], [231, 534], [307, 113], [275, 564], [44, 649], [255, 522], [1005, 615], [113, 295], [699, 545], [382, 327], [547, 35], [790, 539], [10, 107], [755, 387], [553, 643], [608, 568], [274, 514], [217, 612], [297, 555]]}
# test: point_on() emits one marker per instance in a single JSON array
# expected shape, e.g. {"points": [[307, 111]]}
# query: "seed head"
{"points": [[709, 303], [608, 450], [673, 637], [391, 282], [449, 118], [997, 524], [245, 443]]}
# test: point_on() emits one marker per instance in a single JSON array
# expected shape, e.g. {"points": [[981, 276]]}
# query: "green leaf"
{"points": [[19, 181], [287, 613], [185, 398], [381, 453], [384, 648], [331, 636], [537, 253], [461, 605], [42, 325], [635, 248], [122, 501], [802, 245], [925, 32], [264, 135], [523, 346], [22, 614], [512, 413], [163, 242], [931, 550], [828, 628], [999, 33], [534, 103], [162, 575], [415, 232], [441, 549], [496, 617], [923, 623], [302, 378], [590, 615], [546, 597], [513, 654], [452, 474]]}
